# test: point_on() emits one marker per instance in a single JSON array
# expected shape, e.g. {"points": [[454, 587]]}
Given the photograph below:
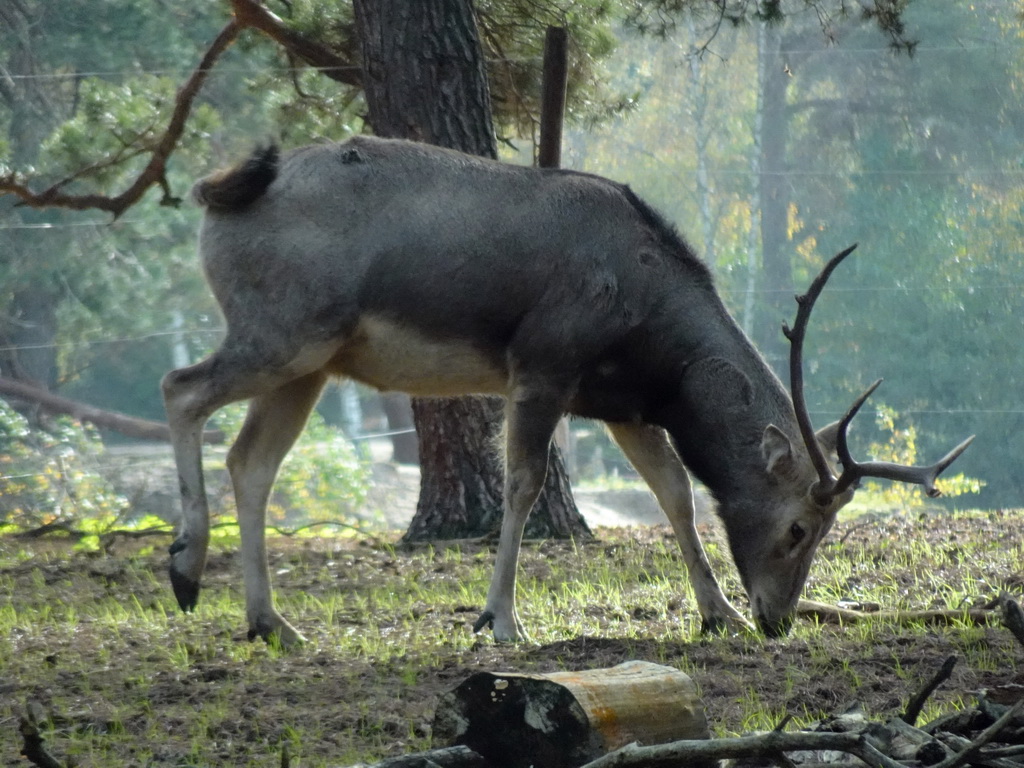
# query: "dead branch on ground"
{"points": [[1013, 617], [918, 700], [32, 741], [891, 745], [833, 614], [131, 426]]}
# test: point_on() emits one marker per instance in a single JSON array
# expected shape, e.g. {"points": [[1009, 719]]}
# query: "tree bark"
{"points": [[30, 354], [404, 446], [424, 79]]}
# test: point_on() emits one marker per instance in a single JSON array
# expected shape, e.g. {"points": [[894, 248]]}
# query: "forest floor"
{"points": [[119, 677]]}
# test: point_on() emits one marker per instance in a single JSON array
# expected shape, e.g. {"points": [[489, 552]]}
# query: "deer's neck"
{"points": [[728, 396]]}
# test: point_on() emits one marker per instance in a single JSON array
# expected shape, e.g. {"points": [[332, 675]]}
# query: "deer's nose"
{"points": [[773, 623]]}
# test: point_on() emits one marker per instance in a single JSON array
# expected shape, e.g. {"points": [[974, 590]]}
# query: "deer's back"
{"points": [[502, 265]]}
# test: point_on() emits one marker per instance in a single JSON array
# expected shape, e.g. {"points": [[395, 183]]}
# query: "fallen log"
{"points": [[131, 426], [565, 719]]}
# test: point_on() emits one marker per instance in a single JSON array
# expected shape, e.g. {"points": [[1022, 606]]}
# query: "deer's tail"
{"points": [[235, 188]]}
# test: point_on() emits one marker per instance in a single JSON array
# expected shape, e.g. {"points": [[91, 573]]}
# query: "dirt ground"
{"points": [[384, 707]]}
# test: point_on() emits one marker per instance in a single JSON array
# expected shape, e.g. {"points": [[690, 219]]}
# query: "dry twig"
{"points": [[917, 701], [1013, 617], [832, 614], [32, 741]]}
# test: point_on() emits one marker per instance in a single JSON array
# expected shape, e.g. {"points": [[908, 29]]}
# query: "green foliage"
{"points": [[119, 120], [322, 477], [51, 477], [321, 480], [879, 150], [900, 447]]}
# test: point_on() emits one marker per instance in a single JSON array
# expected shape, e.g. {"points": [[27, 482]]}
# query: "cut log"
{"points": [[566, 719]]}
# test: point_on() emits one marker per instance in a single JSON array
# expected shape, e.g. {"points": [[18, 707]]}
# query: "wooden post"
{"points": [[549, 155], [553, 86], [566, 719]]}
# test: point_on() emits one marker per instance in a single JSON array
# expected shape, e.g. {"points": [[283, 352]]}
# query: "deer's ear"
{"points": [[828, 436], [777, 451]]}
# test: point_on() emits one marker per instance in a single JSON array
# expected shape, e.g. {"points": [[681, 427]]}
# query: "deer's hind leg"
{"points": [[532, 413], [191, 396], [272, 425], [648, 449]]}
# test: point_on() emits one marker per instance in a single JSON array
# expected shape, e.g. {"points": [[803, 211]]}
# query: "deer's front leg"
{"points": [[531, 413], [649, 450]]}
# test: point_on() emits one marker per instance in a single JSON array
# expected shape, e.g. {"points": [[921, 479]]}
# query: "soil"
{"points": [[344, 706]]}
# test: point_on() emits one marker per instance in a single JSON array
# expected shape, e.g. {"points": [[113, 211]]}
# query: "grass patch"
{"points": [[124, 678]]}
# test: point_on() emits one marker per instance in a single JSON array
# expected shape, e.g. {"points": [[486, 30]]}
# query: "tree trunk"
{"points": [[28, 322], [753, 234], [777, 283], [28, 334], [424, 79], [404, 446]]}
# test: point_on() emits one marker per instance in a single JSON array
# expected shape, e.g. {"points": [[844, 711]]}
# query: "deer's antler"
{"points": [[828, 486]]}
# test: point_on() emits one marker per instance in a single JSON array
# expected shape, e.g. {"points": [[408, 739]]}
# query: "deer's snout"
{"points": [[775, 628], [774, 624]]}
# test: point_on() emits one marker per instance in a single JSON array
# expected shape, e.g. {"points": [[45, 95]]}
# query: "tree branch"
{"points": [[155, 171], [250, 14], [1013, 617], [247, 14]]}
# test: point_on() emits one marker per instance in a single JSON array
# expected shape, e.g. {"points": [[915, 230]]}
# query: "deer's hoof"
{"points": [[714, 625], [486, 620], [775, 628], [725, 625], [186, 589], [507, 630], [275, 630]]}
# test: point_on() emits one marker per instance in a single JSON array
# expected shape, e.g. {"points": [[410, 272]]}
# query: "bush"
{"points": [[51, 476], [321, 479], [900, 446]]}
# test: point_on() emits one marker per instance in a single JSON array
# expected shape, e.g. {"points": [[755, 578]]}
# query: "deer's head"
{"points": [[800, 490]]}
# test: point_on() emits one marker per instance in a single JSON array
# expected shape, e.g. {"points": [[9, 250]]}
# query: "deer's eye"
{"points": [[797, 532]]}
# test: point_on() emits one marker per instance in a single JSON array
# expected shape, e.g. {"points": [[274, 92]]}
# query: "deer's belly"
{"points": [[390, 356]]}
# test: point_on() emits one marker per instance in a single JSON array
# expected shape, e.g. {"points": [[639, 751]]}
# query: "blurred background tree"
{"points": [[773, 133]]}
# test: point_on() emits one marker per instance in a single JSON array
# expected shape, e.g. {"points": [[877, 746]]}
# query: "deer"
{"points": [[420, 269]]}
